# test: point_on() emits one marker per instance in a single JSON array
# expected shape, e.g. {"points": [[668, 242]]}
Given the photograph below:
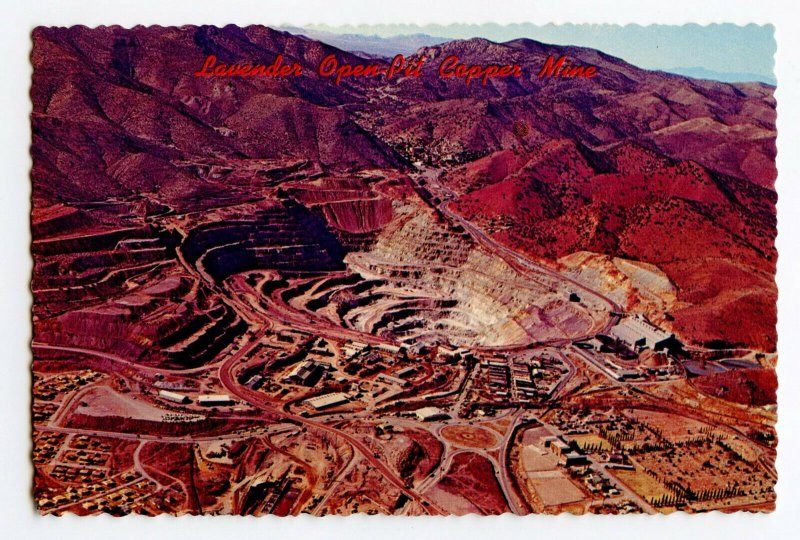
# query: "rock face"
{"points": [[656, 185], [424, 283], [636, 285]]}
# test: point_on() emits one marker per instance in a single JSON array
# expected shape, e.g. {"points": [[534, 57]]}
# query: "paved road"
{"points": [[515, 502], [120, 360]]}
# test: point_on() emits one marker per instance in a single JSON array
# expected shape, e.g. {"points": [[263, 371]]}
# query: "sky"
{"points": [[740, 52]]}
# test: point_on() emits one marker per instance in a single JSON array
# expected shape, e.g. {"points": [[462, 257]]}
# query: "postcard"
{"points": [[416, 271]]}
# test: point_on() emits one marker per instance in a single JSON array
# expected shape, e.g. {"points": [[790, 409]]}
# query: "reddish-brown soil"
{"points": [[427, 455], [207, 426], [472, 476], [746, 386], [470, 436], [712, 235], [178, 462]]}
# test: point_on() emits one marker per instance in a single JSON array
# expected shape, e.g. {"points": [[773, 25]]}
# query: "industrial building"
{"points": [[406, 371], [353, 348], [429, 414], [328, 400], [174, 396], [388, 379], [499, 374], [638, 333], [571, 459], [522, 375], [556, 445], [445, 351], [307, 373], [211, 400], [372, 359], [627, 374], [566, 455], [256, 382]]}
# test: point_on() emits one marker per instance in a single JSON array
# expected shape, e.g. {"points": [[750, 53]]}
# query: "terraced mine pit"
{"points": [[426, 283], [285, 237], [122, 293]]}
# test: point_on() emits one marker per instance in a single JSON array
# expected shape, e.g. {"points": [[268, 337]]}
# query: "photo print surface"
{"points": [[317, 271]]}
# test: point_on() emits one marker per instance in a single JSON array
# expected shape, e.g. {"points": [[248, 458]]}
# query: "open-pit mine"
{"points": [[281, 295]]}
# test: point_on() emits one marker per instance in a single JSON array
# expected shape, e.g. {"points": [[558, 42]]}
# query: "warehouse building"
{"points": [[307, 373], [638, 333], [388, 379], [429, 414], [407, 371], [174, 396], [328, 400], [211, 400]]}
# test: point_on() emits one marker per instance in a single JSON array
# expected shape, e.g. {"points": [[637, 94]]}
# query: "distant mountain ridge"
{"points": [[406, 44], [372, 45], [698, 72]]}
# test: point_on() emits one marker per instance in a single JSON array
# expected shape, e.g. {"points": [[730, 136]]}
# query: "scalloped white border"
{"points": [[17, 516]]}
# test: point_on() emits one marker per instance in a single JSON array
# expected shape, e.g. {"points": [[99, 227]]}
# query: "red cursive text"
{"points": [[277, 69], [452, 67]]}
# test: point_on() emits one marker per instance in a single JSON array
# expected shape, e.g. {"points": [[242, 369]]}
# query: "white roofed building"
{"points": [[429, 414], [215, 399], [328, 400], [173, 396], [638, 333]]}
